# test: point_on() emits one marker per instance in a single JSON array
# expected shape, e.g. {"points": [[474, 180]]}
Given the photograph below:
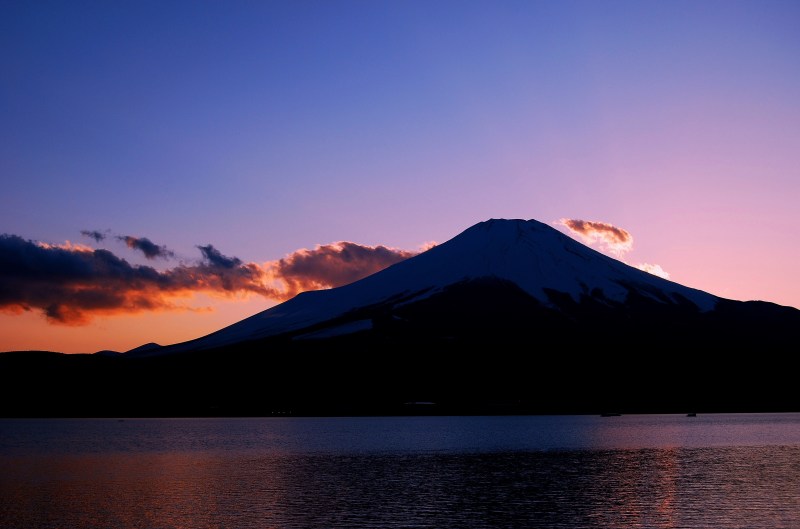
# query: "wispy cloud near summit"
{"points": [[654, 269], [610, 238]]}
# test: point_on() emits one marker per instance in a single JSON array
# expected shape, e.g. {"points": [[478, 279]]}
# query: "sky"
{"points": [[171, 167]]}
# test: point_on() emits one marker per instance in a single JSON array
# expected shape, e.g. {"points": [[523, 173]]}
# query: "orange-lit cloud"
{"points": [[68, 245], [331, 265], [69, 283], [611, 238]]}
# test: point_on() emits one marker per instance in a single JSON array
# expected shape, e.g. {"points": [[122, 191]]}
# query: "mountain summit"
{"points": [[526, 255]]}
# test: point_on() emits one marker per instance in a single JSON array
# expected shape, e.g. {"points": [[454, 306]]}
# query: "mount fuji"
{"points": [[510, 316], [524, 260]]}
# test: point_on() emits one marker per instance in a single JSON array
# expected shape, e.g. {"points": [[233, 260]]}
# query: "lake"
{"points": [[643, 471]]}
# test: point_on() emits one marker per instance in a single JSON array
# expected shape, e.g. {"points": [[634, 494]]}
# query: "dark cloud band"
{"points": [[70, 284]]}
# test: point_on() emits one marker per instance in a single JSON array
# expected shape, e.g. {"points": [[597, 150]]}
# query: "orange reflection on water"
{"points": [[670, 466], [640, 489], [174, 490]]}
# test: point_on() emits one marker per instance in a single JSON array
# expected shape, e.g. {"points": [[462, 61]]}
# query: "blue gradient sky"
{"points": [[262, 127]]}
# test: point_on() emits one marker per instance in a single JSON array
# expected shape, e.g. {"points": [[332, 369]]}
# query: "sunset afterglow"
{"points": [[171, 168]]}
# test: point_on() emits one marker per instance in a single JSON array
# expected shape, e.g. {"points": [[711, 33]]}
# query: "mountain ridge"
{"points": [[528, 253]]}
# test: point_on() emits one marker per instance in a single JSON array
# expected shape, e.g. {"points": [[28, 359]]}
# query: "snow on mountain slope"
{"points": [[529, 253]]}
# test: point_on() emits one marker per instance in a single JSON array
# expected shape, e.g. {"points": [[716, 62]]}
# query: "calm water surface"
{"points": [[647, 471]]}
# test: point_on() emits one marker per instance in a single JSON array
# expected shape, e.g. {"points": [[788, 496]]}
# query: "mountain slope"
{"points": [[544, 263]]}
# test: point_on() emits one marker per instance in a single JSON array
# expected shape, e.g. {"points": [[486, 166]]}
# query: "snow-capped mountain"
{"points": [[545, 264]]}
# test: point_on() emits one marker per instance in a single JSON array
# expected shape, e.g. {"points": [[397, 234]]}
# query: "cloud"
{"points": [[332, 265], [427, 246], [654, 269], [68, 245], [215, 258], [150, 249], [94, 234], [70, 284], [611, 238], [228, 275]]}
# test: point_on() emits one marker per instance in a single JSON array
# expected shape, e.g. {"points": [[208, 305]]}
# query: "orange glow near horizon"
{"points": [[30, 331]]}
